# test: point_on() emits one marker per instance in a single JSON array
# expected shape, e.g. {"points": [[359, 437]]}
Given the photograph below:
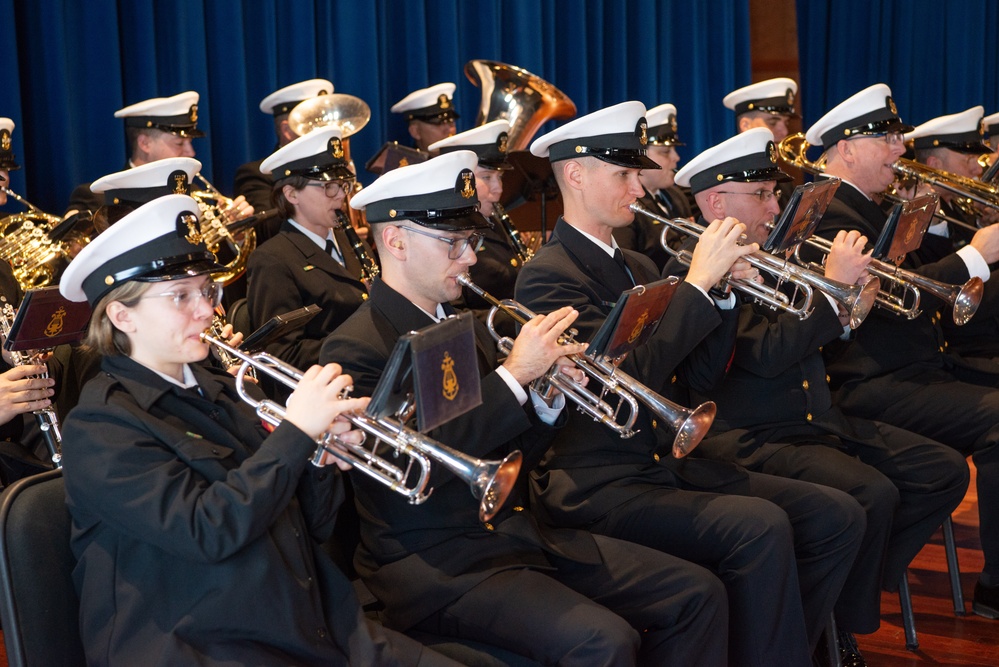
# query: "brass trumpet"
{"points": [[903, 292], [490, 481], [964, 299], [856, 299], [690, 425]]}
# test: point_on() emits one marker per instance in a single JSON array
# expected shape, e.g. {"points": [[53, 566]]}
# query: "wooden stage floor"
{"points": [[944, 639]]}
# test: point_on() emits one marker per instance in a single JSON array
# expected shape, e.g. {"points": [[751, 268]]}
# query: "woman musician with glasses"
{"points": [[196, 531], [311, 260]]}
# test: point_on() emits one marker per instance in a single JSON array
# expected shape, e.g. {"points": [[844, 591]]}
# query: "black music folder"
{"points": [[47, 319], [904, 230], [392, 156], [634, 319], [276, 327], [436, 370], [801, 216]]}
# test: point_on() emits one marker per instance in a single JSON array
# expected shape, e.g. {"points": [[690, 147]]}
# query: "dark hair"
{"points": [[285, 208]]}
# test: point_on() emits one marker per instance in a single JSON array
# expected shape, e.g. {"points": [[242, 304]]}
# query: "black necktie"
{"points": [[332, 251], [619, 260], [664, 202]]}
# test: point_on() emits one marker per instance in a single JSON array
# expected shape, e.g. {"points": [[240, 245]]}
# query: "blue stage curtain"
{"points": [[68, 65], [937, 57]]}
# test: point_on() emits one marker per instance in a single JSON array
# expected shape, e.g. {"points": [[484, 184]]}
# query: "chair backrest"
{"points": [[38, 603], [239, 317]]}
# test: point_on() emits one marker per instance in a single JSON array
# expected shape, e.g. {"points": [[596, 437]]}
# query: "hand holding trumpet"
{"points": [[317, 407], [718, 253]]}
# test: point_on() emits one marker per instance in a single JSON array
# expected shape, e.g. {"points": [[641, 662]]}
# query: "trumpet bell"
{"points": [[523, 99], [693, 428], [493, 482], [967, 299], [346, 112]]}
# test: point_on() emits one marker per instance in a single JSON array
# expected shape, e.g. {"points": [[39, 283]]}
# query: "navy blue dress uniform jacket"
{"points": [[197, 534], [417, 559], [291, 271]]}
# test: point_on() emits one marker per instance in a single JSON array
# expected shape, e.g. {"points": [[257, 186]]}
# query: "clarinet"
{"points": [[502, 218], [369, 268], [48, 421]]}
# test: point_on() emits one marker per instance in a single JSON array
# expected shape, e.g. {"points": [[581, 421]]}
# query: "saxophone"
{"points": [[502, 218], [369, 268], [48, 421]]}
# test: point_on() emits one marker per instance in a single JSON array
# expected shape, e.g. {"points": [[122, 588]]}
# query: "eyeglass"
{"points": [[458, 245], [763, 195], [890, 138], [333, 189], [186, 300]]}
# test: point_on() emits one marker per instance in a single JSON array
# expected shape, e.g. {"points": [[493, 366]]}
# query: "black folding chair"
{"points": [[38, 603]]}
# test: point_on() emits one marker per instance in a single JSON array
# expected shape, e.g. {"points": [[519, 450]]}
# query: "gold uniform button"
{"points": [[938, 314], [513, 262], [828, 379], [946, 344], [656, 457], [518, 508], [808, 417], [804, 385], [941, 348], [364, 296], [673, 380], [488, 526], [655, 424]]}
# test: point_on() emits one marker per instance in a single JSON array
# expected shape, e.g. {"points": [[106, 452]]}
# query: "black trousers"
{"points": [[961, 415], [640, 606], [907, 488], [782, 547]]}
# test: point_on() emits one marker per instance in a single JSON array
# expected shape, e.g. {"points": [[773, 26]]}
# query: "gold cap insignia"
{"points": [[790, 97], [179, 182], [443, 102], [981, 127], [5, 140], [194, 113], [190, 221], [891, 105], [55, 325], [501, 142], [772, 151], [403, 162], [468, 184], [450, 382], [672, 122], [643, 129], [336, 148]]}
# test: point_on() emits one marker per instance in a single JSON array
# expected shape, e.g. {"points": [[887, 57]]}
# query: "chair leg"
{"points": [[953, 569], [908, 620], [832, 642]]}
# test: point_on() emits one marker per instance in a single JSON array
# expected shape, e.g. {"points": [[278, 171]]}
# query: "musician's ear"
{"points": [[392, 239], [120, 316]]}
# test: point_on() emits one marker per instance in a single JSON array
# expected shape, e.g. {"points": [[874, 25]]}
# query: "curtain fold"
{"points": [[67, 66], [937, 57]]}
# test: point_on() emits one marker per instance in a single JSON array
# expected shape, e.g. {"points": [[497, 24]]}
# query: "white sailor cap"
{"points": [[432, 105], [871, 111], [158, 241], [144, 183], [284, 100], [488, 141], [8, 160], [662, 126], [439, 193], [748, 157], [177, 114], [774, 96], [318, 155], [991, 124], [617, 134], [962, 132]]}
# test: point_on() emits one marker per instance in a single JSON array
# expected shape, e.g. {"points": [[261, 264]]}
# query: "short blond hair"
{"points": [[103, 336]]}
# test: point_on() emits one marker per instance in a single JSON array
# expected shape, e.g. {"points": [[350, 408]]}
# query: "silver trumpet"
{"points": [[904, 287], [856, 299], [690, 425], [490, 481], [48, 421]]}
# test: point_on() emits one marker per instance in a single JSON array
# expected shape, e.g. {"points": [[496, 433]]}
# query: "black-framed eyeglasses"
{"points": [[186, 300], [456, 246], [763, 195], [333, 189]]}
